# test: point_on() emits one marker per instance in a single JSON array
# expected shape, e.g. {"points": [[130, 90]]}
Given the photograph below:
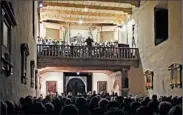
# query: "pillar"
{"points": [[124, 82]]}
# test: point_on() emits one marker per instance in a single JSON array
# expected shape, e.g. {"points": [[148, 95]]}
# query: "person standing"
{"points": [[89, 42]]}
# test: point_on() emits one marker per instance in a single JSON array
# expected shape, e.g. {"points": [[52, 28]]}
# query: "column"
{"points": [[124, 82]]}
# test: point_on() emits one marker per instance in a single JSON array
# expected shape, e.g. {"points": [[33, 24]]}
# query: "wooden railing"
{"points": [[85, 52]]}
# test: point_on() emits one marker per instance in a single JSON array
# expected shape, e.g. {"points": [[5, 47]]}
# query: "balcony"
{"points": [[108, 58]]}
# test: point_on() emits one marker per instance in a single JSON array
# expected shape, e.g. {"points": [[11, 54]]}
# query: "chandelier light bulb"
{"points": [[86, 10]]}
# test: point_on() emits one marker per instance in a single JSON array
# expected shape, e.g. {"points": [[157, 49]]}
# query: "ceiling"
{"points": [[95, 12]]}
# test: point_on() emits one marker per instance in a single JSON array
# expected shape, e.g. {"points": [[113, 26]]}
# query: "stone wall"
{"points": [[135, 80], [11, 87], [158, 58]]}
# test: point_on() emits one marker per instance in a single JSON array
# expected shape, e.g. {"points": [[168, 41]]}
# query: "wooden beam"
{"points": [[80, 13], [76, 24], [43, 15], [135, 3], [126, 10], [75, 19]]}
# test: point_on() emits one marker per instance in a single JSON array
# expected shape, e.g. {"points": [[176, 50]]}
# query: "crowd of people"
{"points": [[88, 41], [94, 104]]}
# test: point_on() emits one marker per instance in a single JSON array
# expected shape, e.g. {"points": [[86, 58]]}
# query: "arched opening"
{"points": [[75, 85]]}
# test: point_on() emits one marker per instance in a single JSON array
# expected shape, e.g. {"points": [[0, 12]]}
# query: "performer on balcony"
{"points": [[89, 42]]}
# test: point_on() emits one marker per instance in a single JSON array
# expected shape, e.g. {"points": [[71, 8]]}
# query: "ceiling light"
{"points": [[41, 5], [80, 21], [86, 10]]}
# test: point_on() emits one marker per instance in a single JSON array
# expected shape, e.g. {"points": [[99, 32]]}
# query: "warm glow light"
{"points": [[80, 21], [40, 5], [86, 10]]}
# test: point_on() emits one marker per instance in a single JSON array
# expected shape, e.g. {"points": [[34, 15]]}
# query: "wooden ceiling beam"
{"points": [[72, 19], [126, 10], [80, 13], [135, 3], [76, 24]]}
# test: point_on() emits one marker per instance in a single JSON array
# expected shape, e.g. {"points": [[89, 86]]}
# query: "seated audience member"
{"points": [[4, 108], [88, 104], [49, 108], [164, 107], [143, 110], [10, 107], [114, 112], [103, 104], [82, 105], [38, 108], [176, 110], [153, 104], [69, 110]]}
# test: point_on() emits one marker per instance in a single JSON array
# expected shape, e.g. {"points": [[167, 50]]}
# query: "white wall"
{"points": [[58, 76], [52, 76], [101, 77]]}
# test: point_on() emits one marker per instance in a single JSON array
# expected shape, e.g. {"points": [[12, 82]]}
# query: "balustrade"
{"points": [[85, 52]]}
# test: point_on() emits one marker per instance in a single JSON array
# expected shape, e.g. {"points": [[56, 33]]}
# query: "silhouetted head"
{"points": [[69, 110], [4, 108], [49, 108], [134, 106], [113, 105], [38, 108], [176, 110], [68, 101], [10, 107], [143, 110], [154, 97], [164, 107], [21, 101], [103, 104], [58, 104]]}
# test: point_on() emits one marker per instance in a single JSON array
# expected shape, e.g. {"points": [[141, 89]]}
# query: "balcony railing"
{"points": [[85, 52]]}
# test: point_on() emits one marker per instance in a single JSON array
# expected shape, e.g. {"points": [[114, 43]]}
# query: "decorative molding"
{"points": [[149, 79], [24, 54], [175, 75]]}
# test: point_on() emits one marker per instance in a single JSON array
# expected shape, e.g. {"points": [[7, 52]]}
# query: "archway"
{"points": [[75, 85]]}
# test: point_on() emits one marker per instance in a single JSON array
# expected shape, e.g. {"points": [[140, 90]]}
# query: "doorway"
{"points": [[75, 85], [77, 78]]}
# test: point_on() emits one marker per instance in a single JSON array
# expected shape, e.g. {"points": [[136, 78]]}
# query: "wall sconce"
{"points": [[149, 79], [175, 75]]}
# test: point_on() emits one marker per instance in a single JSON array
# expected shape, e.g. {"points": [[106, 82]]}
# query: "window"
{"points": [[8, 22], [161, 25], [6, 32]]}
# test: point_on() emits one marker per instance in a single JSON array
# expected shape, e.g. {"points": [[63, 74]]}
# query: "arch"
{"points": [[75, 85]]}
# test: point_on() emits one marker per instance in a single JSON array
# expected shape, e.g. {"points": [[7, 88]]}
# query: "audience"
{"points": [[94, 104]]}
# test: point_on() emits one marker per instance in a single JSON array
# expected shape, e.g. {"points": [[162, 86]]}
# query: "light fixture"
{"points": [[78, 73], [86, 9], [41, 5], [80, 21]]}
